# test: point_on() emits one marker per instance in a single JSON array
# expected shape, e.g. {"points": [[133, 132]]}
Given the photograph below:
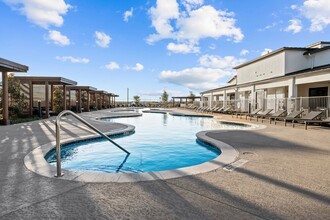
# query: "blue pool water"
{"points": [[160, 142]]}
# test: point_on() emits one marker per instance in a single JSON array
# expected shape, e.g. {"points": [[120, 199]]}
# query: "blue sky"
{"points": [[151, 46]]}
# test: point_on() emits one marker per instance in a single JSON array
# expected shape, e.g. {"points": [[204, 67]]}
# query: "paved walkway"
{"points": [[286, 177]]}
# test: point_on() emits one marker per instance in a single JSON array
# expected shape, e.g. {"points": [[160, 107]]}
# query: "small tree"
{"points": [[58, 100], [191, 94], [136, 100], [164, 98], [17, 99]]}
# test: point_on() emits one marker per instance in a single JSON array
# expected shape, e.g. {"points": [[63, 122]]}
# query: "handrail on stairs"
{"points": [[58, 137]]}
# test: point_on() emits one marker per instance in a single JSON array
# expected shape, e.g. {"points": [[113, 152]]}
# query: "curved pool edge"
{"points": [[35, 162], [191, 115], [121, 115]]}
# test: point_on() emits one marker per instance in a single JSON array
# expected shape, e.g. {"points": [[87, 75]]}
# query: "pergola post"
{"points": [[173, 102], [69, 105], [47, 99], [95, 101], [79, 101], [5, 101], [102, 100], [64, 97], [52, 97], [88, 102], [114, 101], [31, 97], [109, 96]]}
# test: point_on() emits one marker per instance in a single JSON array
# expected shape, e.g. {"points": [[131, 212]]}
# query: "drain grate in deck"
{"points": [[236, 164]]}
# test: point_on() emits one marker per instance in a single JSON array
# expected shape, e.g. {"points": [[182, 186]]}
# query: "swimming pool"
{"points": [[160, 142]]}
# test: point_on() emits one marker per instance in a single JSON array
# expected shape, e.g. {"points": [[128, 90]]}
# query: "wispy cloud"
{"points": [[102, 39], [42, 13], [138, 67], [128, 14], [317, 12], [182, 48], [112, 66], [244, 52], [57, 38], [295, 26], [72, 59]]}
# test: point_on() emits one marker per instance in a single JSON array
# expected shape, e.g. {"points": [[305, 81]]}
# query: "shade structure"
{"points": [[46, 81], [5, 67], [185, 98], [80, 101]]}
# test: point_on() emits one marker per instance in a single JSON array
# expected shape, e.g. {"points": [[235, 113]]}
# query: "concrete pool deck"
{"points": [[285, 176]]}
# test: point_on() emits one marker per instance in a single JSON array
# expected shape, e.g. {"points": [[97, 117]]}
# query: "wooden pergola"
{"points": [[113, 99], [185, 98], [5, 67], [79, 89], [46, 81]]}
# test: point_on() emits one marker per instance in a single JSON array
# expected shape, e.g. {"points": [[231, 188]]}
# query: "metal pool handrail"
{"points": [[58, 138]]}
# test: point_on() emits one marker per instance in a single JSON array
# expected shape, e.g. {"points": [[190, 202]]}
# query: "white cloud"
{"points": [[102, 39], [41, 12], [206, 22], [189, 4], [58, 38], [189, 26], [226, 63], [317, 12], [195, 78], [270, 26], [161, 16], [294, 7], [244, 52], [72, 59], [112, 66], [128, 14], [295, 26], [266, 51], [182, 48], [138, 67]]}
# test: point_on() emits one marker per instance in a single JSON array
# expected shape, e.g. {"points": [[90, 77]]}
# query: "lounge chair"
{"points": [[218, 110], [292, 115], [324, 121], [239, 113], [279, 113], [227, 110], [212, 109], [252, 113], [204, 109], [262, 114], [199, 108], [310, 116], [207, 109]]}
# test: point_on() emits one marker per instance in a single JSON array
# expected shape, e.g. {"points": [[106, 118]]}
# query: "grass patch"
{"points": [[23, 120]]}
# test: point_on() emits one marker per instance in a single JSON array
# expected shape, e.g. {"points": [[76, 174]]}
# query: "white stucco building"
{"points": [[285, 78]]}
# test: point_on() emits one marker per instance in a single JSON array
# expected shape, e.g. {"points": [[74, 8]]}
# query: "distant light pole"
{"points": [[127, 97]]}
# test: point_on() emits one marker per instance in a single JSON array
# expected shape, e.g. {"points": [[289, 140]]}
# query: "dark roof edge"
{"points": [[16, 67], [271, 54], [319, 68], [317, 50]]}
